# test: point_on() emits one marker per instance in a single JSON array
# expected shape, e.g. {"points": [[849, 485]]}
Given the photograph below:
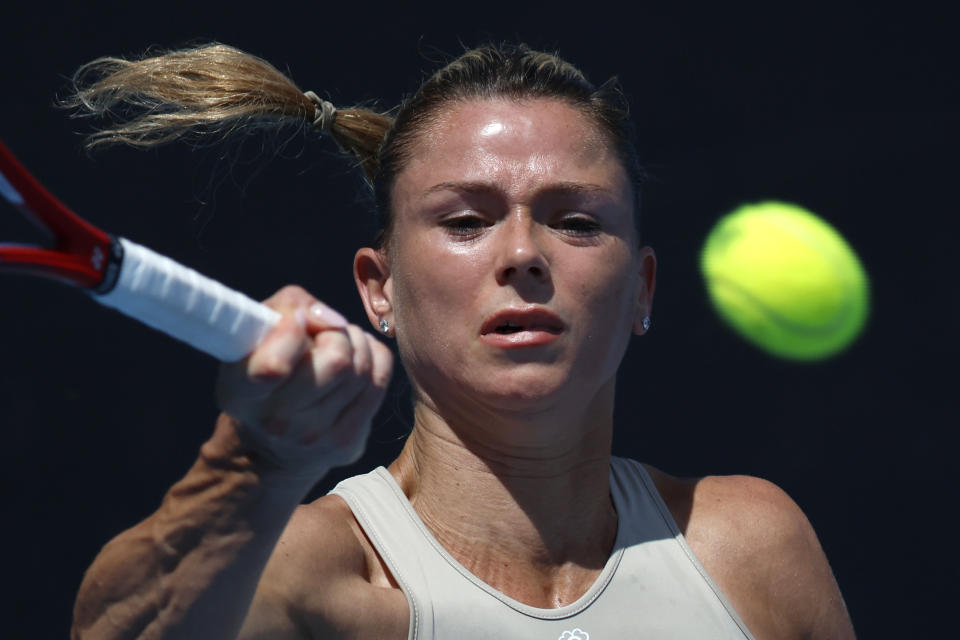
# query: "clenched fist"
{"points": [[304, 399]]}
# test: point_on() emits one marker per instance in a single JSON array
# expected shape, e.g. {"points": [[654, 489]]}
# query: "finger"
{"points": [[332, 357], [382, 365], [362, 356], [321, 385], [290, 297], [322, 414], [276, 357], [368, 400], [351, 358], [319, 317]]}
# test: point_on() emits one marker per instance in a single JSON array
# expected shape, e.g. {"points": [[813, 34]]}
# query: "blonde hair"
{"points": [[213, 89], [217, 89]]}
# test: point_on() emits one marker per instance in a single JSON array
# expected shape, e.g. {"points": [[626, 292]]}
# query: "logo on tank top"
{"points": [[574, 634]]}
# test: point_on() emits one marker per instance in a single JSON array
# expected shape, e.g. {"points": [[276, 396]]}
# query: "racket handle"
{"points": [[189, 306]]}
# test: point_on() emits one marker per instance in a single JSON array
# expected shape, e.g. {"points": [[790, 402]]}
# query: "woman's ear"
{"points": [[372, 275], [647, 263]]}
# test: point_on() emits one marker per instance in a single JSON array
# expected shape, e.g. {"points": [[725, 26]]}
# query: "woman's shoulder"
{"points": [[324, 538], [318, 551], [711, 505], [325, 569], [761, 550], [321, 535]]}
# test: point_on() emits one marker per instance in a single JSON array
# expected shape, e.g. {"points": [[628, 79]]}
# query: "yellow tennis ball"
{"points": [[785, 280]]}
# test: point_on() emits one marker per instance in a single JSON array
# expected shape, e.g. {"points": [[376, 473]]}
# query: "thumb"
{"points": [[319, 316]]}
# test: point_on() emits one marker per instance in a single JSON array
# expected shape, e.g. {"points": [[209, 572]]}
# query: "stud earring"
{"points": [[646, 323], [384, 326]]}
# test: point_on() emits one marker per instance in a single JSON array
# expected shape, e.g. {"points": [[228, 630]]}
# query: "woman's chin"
{"points": [[530, 392], [528, 388]]}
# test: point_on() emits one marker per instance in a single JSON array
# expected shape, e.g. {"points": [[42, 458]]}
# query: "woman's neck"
{"points": [[534, 521]]}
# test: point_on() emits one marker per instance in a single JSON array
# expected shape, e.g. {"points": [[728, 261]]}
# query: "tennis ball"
{"points": [[785, 280]]}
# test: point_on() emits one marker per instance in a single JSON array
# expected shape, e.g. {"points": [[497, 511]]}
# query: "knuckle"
{"points": [[334, 351], [363, 356], [329, 339], [292, 291], [290, 295], [381, 379], [269, 369], [339, 361], [380, 349], [383, 371], [334, 358]]}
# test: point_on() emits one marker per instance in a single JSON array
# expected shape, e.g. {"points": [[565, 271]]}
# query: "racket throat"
{"points": [[110, 261]]}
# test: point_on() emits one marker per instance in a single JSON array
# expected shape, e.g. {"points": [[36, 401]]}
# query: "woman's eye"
{"points": [[578, 225], [464, 225]]}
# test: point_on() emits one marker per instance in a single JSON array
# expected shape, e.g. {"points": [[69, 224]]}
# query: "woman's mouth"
{"points": [[515, 328]]}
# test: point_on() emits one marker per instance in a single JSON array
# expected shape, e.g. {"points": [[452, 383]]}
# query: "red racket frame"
{"points": [[81, 253]]}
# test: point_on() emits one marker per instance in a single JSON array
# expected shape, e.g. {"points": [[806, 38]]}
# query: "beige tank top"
{"points": [[651, 587]]}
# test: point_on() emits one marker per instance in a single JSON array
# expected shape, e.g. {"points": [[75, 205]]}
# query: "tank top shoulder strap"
{"points": [[373, 498], [640, 508], [645, 516]]}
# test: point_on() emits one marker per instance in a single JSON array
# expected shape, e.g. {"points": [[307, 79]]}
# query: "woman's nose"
{"points": [[521, 254]]}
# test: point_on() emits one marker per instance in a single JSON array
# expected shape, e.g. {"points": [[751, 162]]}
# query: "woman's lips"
{"points": [[517, 328], [520, 339]]}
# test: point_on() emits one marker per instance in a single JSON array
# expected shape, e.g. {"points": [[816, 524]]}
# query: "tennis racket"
{"points": [[129, 277]]}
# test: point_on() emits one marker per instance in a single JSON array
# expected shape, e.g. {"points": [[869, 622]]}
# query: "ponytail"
{"points": [[212, 90]]}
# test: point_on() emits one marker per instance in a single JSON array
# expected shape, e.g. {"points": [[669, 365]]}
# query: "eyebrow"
{"points": [[556, 188]]}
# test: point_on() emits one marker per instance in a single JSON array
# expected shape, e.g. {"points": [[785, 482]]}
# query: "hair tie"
{"points": [[323, 112]]}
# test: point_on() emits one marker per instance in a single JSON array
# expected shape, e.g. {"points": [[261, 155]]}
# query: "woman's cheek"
{"points": [[611, 300], [428, 307]]}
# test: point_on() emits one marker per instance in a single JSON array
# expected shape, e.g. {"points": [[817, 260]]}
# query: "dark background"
{"points": [[849, 112]]}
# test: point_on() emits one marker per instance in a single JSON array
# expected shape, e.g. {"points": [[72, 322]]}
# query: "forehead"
{"points": [[517, 146]]}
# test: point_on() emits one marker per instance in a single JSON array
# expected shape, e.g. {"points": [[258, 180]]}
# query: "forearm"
{"points": [[191, 569]]}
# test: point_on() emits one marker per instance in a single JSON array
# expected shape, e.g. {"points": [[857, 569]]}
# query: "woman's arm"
{"points": [[300, 405], [190, 570]]}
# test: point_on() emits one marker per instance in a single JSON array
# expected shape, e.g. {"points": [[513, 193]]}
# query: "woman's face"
{"points": [[512, 276]]}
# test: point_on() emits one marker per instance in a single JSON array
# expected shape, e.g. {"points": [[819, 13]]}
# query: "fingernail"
{"points": [[322, 313]]}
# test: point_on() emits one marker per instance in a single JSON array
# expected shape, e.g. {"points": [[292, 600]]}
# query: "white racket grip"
{"points": [[191, 307]]}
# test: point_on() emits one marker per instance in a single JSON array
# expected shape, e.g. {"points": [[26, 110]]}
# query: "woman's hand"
{"points": [[304, 399]]}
